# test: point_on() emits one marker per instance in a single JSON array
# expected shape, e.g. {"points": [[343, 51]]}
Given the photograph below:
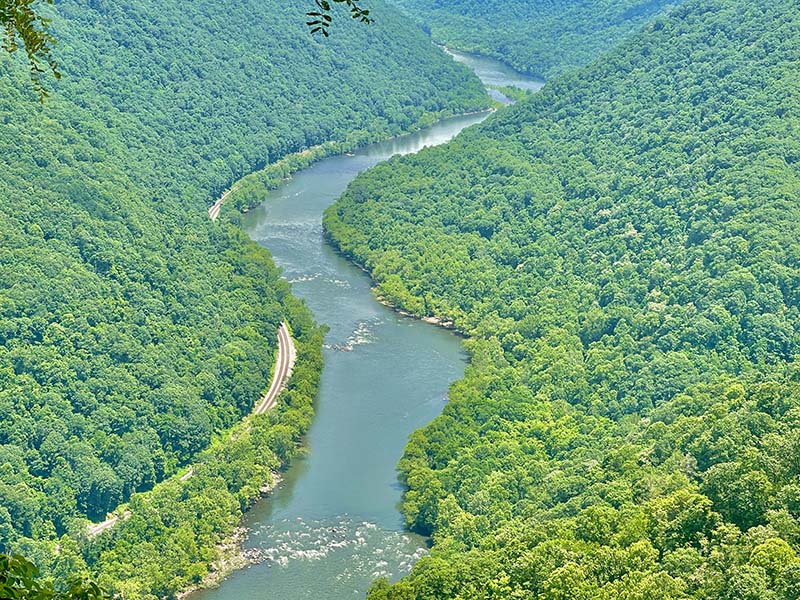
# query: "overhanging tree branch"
{"points": [[321, 18], [22, 25]]}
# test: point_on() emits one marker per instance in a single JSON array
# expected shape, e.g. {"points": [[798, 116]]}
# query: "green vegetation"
{"points": [[623, 251], [321, 19], [20, 580], [22, 25], [253, 189], [514, 93], [539, 37], [133, 331], [171, 535]]}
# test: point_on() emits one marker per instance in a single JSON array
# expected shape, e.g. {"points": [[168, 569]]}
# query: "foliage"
{"points": [[539, 37], [19, 580], [176, 530], [19, 21], [513, 93], [622, 250], [253, 189], [321, 18], [133, 331]]}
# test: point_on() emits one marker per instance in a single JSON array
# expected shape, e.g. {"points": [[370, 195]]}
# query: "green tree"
{"points": [[21, 23], [321, 18], [24, 25], [20, 580]]}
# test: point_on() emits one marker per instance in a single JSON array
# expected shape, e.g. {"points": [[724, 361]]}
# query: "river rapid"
{"points": [[333, 525]]}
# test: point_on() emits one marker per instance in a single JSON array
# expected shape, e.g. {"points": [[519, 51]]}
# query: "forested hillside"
{"points": [[623, 251], [539, 37], [132, 330]]}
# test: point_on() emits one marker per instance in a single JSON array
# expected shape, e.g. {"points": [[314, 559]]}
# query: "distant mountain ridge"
{"points": [[539, 37]]}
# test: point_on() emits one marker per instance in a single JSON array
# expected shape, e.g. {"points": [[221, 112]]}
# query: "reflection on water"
{"points": [[494, 73]]}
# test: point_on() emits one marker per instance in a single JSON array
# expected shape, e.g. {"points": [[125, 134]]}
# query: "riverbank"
{"points": [[334, 523], [250, 191], [191, 523], [333, 526], [430, 320], [231, 554], [285, 357], [487, 54], [438, 321]]}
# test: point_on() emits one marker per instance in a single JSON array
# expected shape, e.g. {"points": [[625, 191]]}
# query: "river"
{"points": [[495, 74], [333, 525]]}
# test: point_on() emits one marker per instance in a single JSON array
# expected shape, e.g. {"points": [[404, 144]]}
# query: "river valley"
{"points": [[333, 524]]}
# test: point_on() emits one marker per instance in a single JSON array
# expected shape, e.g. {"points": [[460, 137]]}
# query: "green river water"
{"points": [[333, 525]]}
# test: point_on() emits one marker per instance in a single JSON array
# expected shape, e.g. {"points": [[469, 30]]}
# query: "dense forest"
{"points": [[133, 331], [540, 37], [622, 250]]}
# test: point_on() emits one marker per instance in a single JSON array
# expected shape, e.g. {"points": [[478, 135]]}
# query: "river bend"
{"points": [[332, 526]]}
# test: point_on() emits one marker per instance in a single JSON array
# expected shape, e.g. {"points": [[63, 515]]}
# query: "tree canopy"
{"points": [[540, 37], [622, 251], [20, 580], [23, 25], [134, 332]]}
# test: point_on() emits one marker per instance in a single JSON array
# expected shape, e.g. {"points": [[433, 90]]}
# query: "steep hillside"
{"points": [[540, 37], [227, 90], [623, 251], [132, 330]]}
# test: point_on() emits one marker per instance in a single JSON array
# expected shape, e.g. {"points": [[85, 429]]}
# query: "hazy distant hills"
{"points": [[540, 37]]}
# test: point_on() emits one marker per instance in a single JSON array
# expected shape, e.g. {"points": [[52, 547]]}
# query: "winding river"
{"points": [[333, 524]]}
